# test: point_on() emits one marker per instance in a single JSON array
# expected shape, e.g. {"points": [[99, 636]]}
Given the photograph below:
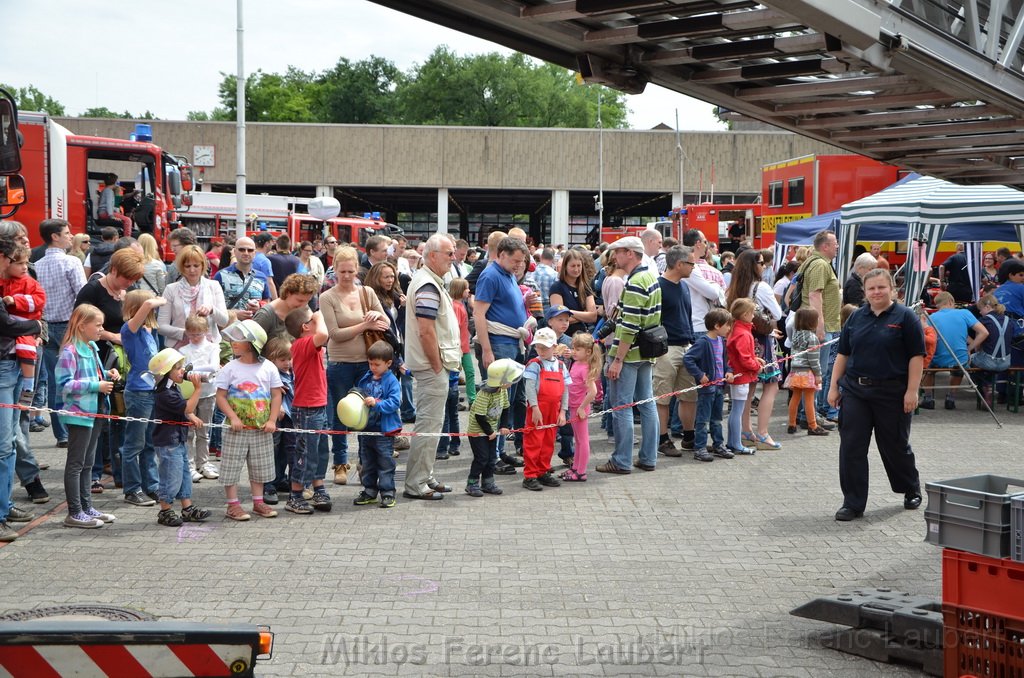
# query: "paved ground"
{"points": [[690, 570]]}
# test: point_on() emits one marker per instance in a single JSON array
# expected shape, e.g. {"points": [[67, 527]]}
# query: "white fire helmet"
{"points": [[504, 372]]}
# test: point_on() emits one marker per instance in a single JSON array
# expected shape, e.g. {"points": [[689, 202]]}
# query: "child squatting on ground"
{"points": [[489, 416], [170, 439], [249, 395]]}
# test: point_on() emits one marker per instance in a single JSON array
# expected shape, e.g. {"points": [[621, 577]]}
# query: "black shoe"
{"points": [[950, 403], [453, 453], [927, 404], [677, 434], [136, 498], [703, 455], [549, 480], [791, 430], [911, 500], [270, 496], [154, 496], [825, 424], [441, 457], [36, 492], [820, 431], [687, 445], [169, 518], [503, 469], [721, 451], [283, 487], [511, 461], [63, 443], [35, 427], [532, 484], [845, 514]]}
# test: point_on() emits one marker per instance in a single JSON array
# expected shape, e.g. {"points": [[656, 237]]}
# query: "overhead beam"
{"points": [[926, 131], [824, 88], [864, 103]]}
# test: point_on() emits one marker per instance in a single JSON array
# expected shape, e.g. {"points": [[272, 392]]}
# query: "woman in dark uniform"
{"points": [[881, 355]]}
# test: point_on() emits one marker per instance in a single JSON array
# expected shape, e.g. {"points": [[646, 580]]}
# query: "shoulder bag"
{"points": [[652, 342]]}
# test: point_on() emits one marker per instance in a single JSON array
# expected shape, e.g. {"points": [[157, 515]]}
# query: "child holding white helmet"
{"points": [[169, 439], [490, 409]]}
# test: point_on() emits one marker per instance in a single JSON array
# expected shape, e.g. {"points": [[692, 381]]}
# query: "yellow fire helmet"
{"points": [[504, 372], [246, 330], [164, 361], [352, 411]]}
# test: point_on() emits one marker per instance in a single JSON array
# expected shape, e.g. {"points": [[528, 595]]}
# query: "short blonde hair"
{"points": [[191, 254], [345, 253]]}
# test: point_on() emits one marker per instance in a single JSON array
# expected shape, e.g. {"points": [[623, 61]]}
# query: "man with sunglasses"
{"points": [[245, 288]]}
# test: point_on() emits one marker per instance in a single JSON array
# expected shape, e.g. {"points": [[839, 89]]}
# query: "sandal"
{"points": [[194, 514], [748, 437], [572, 476], [764, 442]]}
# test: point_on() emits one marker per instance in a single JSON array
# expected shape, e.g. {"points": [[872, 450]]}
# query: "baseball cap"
{"points": [[630, 242], [556, 310], [545, 337]]}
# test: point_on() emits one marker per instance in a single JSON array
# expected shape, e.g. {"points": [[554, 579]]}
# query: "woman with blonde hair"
{"points": [[349, 312], [80, 245], [155, 276], [191, 293]]}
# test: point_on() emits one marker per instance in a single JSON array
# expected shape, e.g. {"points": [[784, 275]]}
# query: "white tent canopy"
{"points": [[933, 210]]}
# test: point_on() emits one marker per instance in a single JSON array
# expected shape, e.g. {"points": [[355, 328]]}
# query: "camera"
{"points": [[606, 330]]}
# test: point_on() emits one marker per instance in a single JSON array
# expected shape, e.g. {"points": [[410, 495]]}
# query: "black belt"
{"points": [[864, 381]]}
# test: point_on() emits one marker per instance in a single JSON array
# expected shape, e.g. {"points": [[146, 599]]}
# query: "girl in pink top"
{"points": [[586, 382]]}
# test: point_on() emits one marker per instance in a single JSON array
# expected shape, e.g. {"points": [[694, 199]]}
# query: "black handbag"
{"points": [[652, 342]]}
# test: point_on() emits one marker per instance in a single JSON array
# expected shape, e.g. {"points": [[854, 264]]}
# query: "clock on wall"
{"points": [[204, 155]]}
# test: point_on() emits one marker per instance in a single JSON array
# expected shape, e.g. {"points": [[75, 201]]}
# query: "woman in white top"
{"points": [[192, 293], [747, 282]]}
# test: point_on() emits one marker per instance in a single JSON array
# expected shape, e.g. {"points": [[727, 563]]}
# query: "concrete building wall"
{"points": [[472, 157]]}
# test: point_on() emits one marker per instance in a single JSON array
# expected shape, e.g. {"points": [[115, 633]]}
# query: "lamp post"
{"points": [[240, 131]]}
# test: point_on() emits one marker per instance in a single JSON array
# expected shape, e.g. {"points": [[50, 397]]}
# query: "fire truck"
{"points": [[712, 219], [214, 215], [64, 174]]}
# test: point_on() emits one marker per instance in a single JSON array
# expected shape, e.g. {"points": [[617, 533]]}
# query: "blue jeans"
{"points": [[40, 399], [10, 378], [175, 473], [517, 394], [109, 449], [378, 472], [217, 433], [709, 416], [138, 458], [50, 353], [25, 467], [408, 410], [302, 465], [450, 423], [635, 383], [340, 378], [284, 450], [827, 358]]}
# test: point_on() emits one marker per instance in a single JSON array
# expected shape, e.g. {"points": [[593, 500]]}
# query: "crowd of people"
{"points": [[262, 334]]}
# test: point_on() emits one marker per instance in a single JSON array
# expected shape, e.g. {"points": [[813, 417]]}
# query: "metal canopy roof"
{"points": [[930, 85]]}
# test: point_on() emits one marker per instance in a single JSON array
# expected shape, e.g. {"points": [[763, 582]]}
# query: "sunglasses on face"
{"points": [[244, 249]]}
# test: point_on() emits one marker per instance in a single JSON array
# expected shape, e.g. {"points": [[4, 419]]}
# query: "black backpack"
{"points": [[793, 298]]}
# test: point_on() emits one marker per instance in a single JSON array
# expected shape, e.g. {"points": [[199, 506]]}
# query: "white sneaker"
{"points": [[196, 476], [83, 520], [209, 471]]}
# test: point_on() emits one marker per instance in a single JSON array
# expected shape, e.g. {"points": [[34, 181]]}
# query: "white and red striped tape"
{"points": [[139, 661]]}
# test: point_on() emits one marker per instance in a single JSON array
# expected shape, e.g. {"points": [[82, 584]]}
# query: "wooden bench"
{"points": [[1013, 399]]}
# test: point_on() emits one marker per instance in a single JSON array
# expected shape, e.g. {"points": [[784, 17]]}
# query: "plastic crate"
{"points": [[967, 535], [972, 513], [989, 585], [978, 644], [1017, 527]]}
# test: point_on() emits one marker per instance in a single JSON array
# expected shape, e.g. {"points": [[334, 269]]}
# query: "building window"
{"points": [[775, 194], [796, 191]]}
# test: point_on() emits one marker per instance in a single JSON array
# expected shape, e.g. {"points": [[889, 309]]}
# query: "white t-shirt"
{"points": [[248, 387]]}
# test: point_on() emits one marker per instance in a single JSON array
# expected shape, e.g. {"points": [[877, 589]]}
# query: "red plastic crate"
{"points": [[991, 585], [981, 645]]}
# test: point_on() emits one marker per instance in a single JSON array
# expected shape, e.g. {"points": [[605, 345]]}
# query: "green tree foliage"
{"points": [[104, 112], [359, 93], [485, 90], [505, 91], [31, 99]]}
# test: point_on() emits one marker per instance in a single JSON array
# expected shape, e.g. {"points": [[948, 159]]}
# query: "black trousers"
{"points": [[878, 409]]}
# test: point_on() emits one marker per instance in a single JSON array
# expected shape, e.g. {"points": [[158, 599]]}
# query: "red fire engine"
{"points": [[64, 174]]}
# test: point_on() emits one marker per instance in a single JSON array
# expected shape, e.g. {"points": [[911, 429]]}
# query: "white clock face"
{"points": [[203, 156]]}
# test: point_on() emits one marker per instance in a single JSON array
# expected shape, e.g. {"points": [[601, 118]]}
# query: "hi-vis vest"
{"points": [[446, 326]]}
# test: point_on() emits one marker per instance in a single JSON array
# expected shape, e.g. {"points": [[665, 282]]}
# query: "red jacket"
{"points": [[740, 349]]}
